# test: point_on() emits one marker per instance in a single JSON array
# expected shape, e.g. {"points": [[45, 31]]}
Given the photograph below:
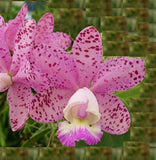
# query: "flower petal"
{"points": [[48, 105], [118, 74], [115, 118], [44, 33], [82, 99], [68, 133], [5, 57], [30, 76], [44, 28], [57, 65], [23, 44], [87, 52], [13, 27], [5, 81], [19, 97], [2, 23], [58, 39]]}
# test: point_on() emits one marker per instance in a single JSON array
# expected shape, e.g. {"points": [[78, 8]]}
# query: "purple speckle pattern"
{"points": [[44, 33], [44, 28], [19, 98], [57, 66], [115, 118], [117, 74], [68, 134], [23, 45], [87, 53], [47, 106], [58, 39], [13, 27], [5, 58]]}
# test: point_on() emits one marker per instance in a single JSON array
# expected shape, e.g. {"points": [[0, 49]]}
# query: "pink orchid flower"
{"points": [[18, 72], [19, 94], [15, 69], [82, 90]]}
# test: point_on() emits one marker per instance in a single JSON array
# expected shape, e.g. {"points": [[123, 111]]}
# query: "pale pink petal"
{"points": [[82, 102], [58, 39], [23, 44], [5, 81], [68, 133], [117, 74], [48, 105], [57, 65], [115, 118], [44, 28], [2, 23], [87, 52], [5, 57], [13, 27], [19, 98]]}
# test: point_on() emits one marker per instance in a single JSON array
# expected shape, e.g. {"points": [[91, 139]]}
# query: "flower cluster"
{"points": [[76, 87]]}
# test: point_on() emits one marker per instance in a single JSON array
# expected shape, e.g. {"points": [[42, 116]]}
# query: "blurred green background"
{"points": [[128, 28]]}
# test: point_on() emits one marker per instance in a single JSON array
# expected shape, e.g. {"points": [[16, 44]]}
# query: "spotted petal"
{"points": [[23, 44], [48, 105], [115, 118], [87, 52], [19, 97], [30, 76], [44, 33], [58, 39], [57, 65], [5, 57], [117, 74], [13, 27], [76, 131], [44, 28]]}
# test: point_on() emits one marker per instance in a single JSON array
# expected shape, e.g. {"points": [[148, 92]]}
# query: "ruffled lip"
{"points": [[68, 133]]}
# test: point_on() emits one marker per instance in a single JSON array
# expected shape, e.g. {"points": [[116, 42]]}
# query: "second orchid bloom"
{"points": [[82, 88]]}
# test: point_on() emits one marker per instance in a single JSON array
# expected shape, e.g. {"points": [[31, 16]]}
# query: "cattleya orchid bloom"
{"points": [[13, 69], [82, 88], [18, 72]]}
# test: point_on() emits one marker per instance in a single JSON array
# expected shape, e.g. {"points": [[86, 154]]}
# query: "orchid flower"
{"points": [[19, 94], [17, 36], [18, 72], [82, 88]]}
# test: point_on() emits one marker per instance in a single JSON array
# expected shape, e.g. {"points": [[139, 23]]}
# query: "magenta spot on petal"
{"points": [[54, 64], [86, 56]]}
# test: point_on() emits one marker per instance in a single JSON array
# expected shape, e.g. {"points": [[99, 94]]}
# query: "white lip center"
{"points": [[5, 81], [82, 105]]}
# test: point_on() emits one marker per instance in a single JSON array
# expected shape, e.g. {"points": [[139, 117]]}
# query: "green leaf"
{"points": [[2, 137], [132, 93], [36, 136]]}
